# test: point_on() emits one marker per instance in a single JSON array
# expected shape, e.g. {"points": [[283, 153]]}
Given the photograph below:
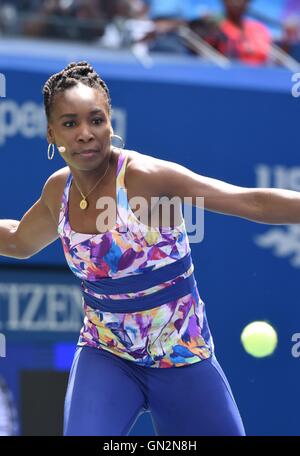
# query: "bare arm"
{"points": [[278, 206], [37, 229], [262, 205]]}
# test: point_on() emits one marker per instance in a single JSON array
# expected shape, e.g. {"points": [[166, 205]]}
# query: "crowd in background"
{"points": [[244, 30]]}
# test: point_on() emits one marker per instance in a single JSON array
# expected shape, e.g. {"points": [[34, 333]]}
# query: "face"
{"points": [[236, 8], [80, 121]]}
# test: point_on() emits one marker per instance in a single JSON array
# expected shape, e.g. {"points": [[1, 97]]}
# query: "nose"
{"points": [[85, 134]]}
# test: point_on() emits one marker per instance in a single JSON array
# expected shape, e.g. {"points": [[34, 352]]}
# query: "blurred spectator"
{"points": [[291, 22], [130, 9], [153, 24], [128, 21], [166, 17], [238, 37], [290, 39], [8, 19], [68, 19], [86, 20], [13, 13]]}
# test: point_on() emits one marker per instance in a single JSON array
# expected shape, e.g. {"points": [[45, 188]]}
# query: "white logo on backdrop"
{"points": [[2, 345], [35, 307], [296, 346], [2, 85], [283, 241], [296, 86]]}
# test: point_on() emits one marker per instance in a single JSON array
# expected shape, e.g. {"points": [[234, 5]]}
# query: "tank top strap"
{"points": [[121, 191], [65, 198], [122, 162]]}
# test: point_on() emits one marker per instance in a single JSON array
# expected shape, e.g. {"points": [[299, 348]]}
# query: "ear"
{"points": [[50, 135]]}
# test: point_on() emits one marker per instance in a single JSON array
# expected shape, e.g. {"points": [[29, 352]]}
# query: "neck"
{"points": [[86, 179], [236, 20]]}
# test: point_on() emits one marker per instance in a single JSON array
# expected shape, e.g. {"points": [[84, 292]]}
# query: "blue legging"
{"points": [[106, 394]]}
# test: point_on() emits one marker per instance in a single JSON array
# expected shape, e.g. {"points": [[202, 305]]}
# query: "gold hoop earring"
{"points": [[50, 157], [119, 139]]}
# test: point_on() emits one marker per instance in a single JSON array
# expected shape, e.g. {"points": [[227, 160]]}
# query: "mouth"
{"points": [[88, 153]]}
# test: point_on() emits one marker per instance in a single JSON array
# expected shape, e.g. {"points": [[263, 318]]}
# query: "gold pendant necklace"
{"points": [[83, 203]]}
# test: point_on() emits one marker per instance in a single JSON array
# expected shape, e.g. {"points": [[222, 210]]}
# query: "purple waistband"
{"points": [[138, 282]]}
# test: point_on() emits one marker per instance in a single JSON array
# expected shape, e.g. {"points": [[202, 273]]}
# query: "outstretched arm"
{"points": [[278, 206], [263, 205], [37, 229]]}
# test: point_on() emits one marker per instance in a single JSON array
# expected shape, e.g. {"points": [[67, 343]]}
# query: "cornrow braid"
{"points": [[69, 77]]}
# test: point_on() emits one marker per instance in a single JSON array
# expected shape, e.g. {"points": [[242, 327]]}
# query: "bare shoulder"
{"points": [[144, 163], [157, 175], [56, 182], [53, 190]]}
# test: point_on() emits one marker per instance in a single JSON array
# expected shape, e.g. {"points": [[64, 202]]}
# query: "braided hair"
{"points": [[69, 77]]}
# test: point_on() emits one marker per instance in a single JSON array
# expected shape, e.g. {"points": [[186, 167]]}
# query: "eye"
{"points": [[98, 120], [66, 124]]}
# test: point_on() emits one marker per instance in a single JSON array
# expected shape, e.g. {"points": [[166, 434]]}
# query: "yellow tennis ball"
{"points": [[259, 339]]}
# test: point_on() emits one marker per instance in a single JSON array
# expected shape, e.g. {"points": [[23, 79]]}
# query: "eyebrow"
{"points": [[70, 114]]}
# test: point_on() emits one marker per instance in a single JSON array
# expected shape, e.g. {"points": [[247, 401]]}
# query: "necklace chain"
{"points": [[83, 202]]}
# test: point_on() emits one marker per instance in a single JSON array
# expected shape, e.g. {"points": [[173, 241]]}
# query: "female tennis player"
{"points": [[145, 344]]}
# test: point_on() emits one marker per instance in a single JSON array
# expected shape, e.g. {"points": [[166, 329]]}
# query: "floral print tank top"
{"points": [[139, 294]]}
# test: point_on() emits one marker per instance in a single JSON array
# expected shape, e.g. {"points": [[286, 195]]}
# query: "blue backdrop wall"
{"points": [[239, 125]]}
